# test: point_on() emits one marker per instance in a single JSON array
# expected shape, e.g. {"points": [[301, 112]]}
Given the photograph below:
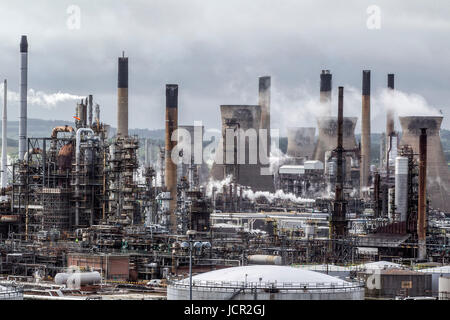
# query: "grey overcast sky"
{"points": [[216, 50]]}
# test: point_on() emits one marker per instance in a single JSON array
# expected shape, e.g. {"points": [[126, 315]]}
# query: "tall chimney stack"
{"points": [[338, 222], [90, 111], [422, 203], [4, 176], [264, 103], [171, 167], [325, 90], [122, 97], [365, 130], [23, 97]]}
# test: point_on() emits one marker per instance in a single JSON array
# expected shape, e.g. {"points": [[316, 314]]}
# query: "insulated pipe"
{"points": [[122, 97], [31, 152], [23, 97], [4, 176], [422, 203], [365, 130], [58, 129], [77, 179]]}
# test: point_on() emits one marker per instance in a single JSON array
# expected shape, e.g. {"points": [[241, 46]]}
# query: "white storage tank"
{"points": [[444, 288], [61, 278], [78, 279], [265, 283], [313, 165]]}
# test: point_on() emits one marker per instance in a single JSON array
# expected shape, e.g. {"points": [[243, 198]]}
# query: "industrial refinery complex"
{"points": [[91, 211]]}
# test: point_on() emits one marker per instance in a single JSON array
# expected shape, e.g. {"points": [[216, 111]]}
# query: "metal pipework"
{"points": [[171, 166], [31, 152], [122, 96], [23, 97], [4, 177], [77, 177], [325, 90], [422, 203], [365, 130]]}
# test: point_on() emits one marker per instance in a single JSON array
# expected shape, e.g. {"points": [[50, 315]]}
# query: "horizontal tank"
{"points": [[264, 259], [78, 279]]}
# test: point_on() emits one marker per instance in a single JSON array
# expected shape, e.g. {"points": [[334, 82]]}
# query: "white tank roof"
{"points": [[268, 274], [379, 265], [443, 269]]}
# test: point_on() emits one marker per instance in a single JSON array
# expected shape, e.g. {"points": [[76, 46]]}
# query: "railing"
{"points": [[10, 293], [284, 287]]}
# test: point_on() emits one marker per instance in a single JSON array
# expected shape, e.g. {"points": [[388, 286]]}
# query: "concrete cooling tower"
{"points": [[242, 117], [438, 176], [301, 142], [327, 139]]}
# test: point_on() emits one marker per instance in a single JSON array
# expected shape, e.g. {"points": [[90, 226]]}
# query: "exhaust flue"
{"points": [[90, 111], [338, 222], [422, 205], [264, 103], [4, 177], [325, 90], [171, 166], [23, 97], [122, 97], [365, 130]]}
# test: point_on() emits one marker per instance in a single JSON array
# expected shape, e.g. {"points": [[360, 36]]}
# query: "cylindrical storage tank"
{"points": [[265, 283], [264, 259], [401, 187], [444, 288], [61, 278], [78, 279]]}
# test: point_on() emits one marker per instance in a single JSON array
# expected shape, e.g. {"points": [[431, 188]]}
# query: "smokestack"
{"points": [[171, 167], [325, 90], [421, 216], [97, 113], [338, 222], [4, 176], [90, 111], [23, 97], [122, 96], [264, 103], [365, 130], [389, 119]]}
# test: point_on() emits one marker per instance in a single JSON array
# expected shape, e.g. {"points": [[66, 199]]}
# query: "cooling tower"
{"points": [[438, 176], [328, 133], [301, 142], [241, 118]]}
